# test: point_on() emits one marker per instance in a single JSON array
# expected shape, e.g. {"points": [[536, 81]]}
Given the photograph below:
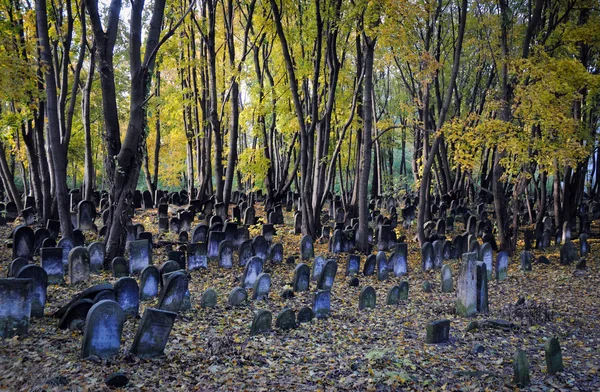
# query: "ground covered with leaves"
{"points": [[374, 349]]}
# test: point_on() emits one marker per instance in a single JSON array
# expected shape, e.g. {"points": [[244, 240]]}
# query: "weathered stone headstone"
{"points": [[77, 311], [226, 250], [466, 288], [153, 332], [485, 255], [427, 256], [317, 267], [67, 245], [140, 256], [15, 306], [322, 304], [367, 298], [286, 319], [238, 296], [370, 265], [39, 279], [526, 258], [149, 281], [245, 253], [79, 265], [398, 259], [214, 239], [251, 271], [305, 315], [393, 297], [127, 295], [86, 213], [276, 253], [404, 290], [568, 253], [261, 287], [197, 256], [96, 252], [120, 267], [382, 267], [171, 296], [584, 246], [261, 247], [501, 266], [482, 288], [261, 323], [438, 253], [103, 329], [438, 332], [19, 263], [353, 265], [327, 276], [23, 243], [209, 298], [447, 282], [301, 278], [553, 355], [200, 233], [521, 369]]}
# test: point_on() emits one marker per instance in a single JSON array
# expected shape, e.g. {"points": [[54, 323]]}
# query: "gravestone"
{"points": [[568, 253], [226, 249], [305, 314], [501, 265], [385, 240], [23, 243], [466, 288], [427, 257], [553, 355], [367, 298], [286, 319], [197, 256], [149, 278], [140, 256], [214, 239], [526, 258], [127, 295], [322, 304], [19, 263], [398, 259], [353, 265], [584, 246], [245, 253], [276, 253], [86, 213], [153, 332], [438, 332], [103, 329], [327, 276], [382, 267], [337, 242], [521, 369], [120, 267], [200, 233], [482, 288], [39, 280], [260, 247], [67, 245], [447, 283], [79, 265], [96, 252], [317, 267], [261, 323], [485, 255], [251, 271], [171, 295], [15, 306], [237, 297], [370, 265], [209, 298], [301, 278], [262, 286], [393, 297], [438, 253], [39, 236]]}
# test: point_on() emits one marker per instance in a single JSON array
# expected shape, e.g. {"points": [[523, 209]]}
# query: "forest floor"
{"points": [[378, 349]]}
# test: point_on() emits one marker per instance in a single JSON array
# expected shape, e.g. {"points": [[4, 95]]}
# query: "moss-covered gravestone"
{"points": [[521, 369], [209, 298], [553, 355], [382, 266], [393, 296], [286, 319], [261, 323], [238, 296], [305, 315], [367, 298], [404, 291]]}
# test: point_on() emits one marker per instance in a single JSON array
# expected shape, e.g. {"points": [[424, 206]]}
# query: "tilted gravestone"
{"points": [[149, 278], [353, 265], [127, 295], [286, 319], [553, 355], [245, 253], [209, 298], [367, 298], [171, 296], [19, 263], [237, 297], [370, 265], [393, 297], [23, 243], [327, 276], [77, 311], [79, 265], [485, 255], [317, 267], [153, 332], [39, 279], [466, 288], [103, 329], [301, 278], [15, 306]]}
